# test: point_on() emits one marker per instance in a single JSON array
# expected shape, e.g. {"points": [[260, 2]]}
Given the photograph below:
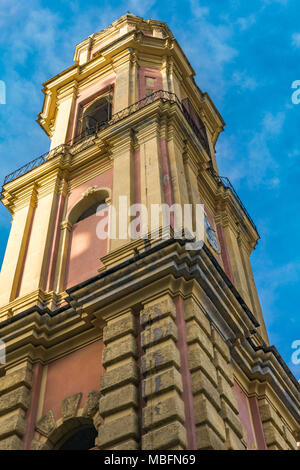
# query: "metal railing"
{"points": [[117, 117], [224, 181], [199, 131]]}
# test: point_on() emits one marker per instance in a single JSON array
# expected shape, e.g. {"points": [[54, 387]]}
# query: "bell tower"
{"points": [[171, 342]]}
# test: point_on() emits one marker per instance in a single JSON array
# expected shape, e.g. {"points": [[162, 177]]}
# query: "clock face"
{"points": [[211, 234]]}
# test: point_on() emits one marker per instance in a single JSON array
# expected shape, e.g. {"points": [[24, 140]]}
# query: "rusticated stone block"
{"points": [[16, 379], [92, 404], [166, 437], [192, 311], [205, 413], [169, 379], [39, 445], [207, 439], [123, 375], [274, 447], [233, 442], [267, 413], [70, 406], [273, 437], [198, 359], [46, 424], [12, 424], [224, 367], [221, 345], [119, 350], [162, 357], [195, 334], [161, 331], [158, 414], [115, 330], [11, 443], [118, 400], [201, 384], [123, 428], [228, 393], [131, 444], [289, 438], [158, 311], [231, 418], [19, 398]]}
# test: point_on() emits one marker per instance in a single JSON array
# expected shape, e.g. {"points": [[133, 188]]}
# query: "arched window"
{"points": [[79, 439], [85, 246], [95, 115]]}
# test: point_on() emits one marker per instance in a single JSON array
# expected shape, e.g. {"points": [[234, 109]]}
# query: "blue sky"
{"points": [[246, 56]]}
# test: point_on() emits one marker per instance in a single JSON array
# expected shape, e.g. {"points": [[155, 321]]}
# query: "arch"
{"points": [[90, 197], [53, 435], [95, 114], [80, 243], [82, 438]]}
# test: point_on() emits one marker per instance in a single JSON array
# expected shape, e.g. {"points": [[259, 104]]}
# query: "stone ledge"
{"points": [[19, 398], [115, 330], [118, 400], [162, 382], [166, 437], [120, 429], [120, 376], [162, 330], [157, 312], [12, 424], [119, 351], [11, 443], [159, 413], [159, 358], [15, 379]]}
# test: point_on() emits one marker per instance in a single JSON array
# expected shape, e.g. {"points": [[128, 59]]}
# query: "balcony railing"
{"points": [[225, 182], [117, 117]]}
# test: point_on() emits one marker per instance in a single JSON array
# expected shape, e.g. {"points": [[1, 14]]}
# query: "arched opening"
{"points": [[95, 115], [78, 439], [86, 247]]}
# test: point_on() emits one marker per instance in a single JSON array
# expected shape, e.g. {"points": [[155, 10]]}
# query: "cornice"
{"points": [[265, 370]]}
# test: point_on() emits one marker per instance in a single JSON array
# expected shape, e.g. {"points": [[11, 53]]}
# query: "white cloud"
{"points": [[207, 45], [246, 22], [269, 2], [296, 39], [258, 165], [262, 164], [140, 8], [198, 10], [270, 279], [244, 81], [272, 124]]}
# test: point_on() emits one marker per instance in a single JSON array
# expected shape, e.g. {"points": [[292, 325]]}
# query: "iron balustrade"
{"points": [[225, 182], [162, 95], [117, 117]]}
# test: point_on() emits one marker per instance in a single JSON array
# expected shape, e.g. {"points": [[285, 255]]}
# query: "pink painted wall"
{"points": [[79, 371], [85, 248], [85, 251], [245, 416], [224, 253], [104, 180], [85, 97], [151, 73]]}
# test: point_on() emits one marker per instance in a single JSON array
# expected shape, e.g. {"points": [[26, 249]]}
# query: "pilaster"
{"points": [[119, 385], [163, 413], [15, 389]]}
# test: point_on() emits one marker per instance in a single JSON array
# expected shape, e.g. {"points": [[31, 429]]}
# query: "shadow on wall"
{"points": [[85, 251]]}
